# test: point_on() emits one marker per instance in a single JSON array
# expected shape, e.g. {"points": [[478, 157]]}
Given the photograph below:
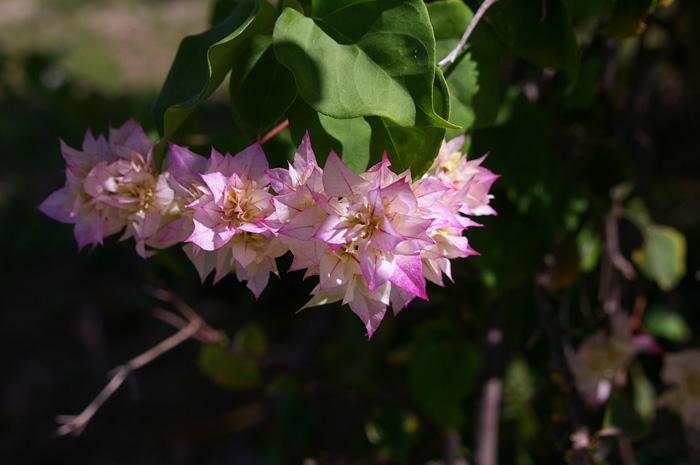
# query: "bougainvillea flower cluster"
{"points": [[373, 238]]}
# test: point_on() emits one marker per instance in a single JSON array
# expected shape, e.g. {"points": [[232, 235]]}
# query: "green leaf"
{"points": [[442, 374], [359, 58], [539, 31], [486, 50], [664, 323], [261, 88], [412, 147], [589, 248], [226, 369], [349, 138], [662, 256], [251, 339], [202, 62], [449, 20], [360, 142]]}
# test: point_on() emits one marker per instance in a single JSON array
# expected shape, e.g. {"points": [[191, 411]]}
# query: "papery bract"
{"points": [[229, 212], [112, 184]]}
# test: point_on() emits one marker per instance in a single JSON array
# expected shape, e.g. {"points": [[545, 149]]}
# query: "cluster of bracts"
{"points": [[373, 239]]}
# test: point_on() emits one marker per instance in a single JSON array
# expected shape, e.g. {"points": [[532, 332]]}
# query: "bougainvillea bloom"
{"points": [[373, 238], [110, 185], [228, 204]]}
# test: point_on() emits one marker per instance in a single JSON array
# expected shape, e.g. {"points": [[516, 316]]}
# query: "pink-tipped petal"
{"points": [[339, 180]]}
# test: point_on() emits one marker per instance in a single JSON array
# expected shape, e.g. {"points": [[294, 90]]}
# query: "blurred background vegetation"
{"points": [[309, 385]]}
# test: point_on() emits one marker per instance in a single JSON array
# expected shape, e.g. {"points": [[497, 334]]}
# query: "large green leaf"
{"points": [[357, 58], [349, 138], [539, 31], [486, 50], [450, 18], [202, 62], [412, 147], [261, 88], [360, 142]]}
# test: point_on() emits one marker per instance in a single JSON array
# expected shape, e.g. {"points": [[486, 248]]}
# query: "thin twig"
{"points": [[75, 424], [205, 334], [275, 131], [452, 56]]}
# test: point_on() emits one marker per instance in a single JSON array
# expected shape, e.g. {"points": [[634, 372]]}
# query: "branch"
{"points": [[196, 327], [452, 56]]}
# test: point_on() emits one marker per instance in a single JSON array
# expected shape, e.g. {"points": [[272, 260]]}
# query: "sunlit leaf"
{"points": [[202, 62], [412, 147], [449, 19], [349, 138], [360, 58], [360, 142]]}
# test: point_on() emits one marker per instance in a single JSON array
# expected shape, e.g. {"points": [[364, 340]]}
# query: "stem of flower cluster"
{"points": [[275, 131]]}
